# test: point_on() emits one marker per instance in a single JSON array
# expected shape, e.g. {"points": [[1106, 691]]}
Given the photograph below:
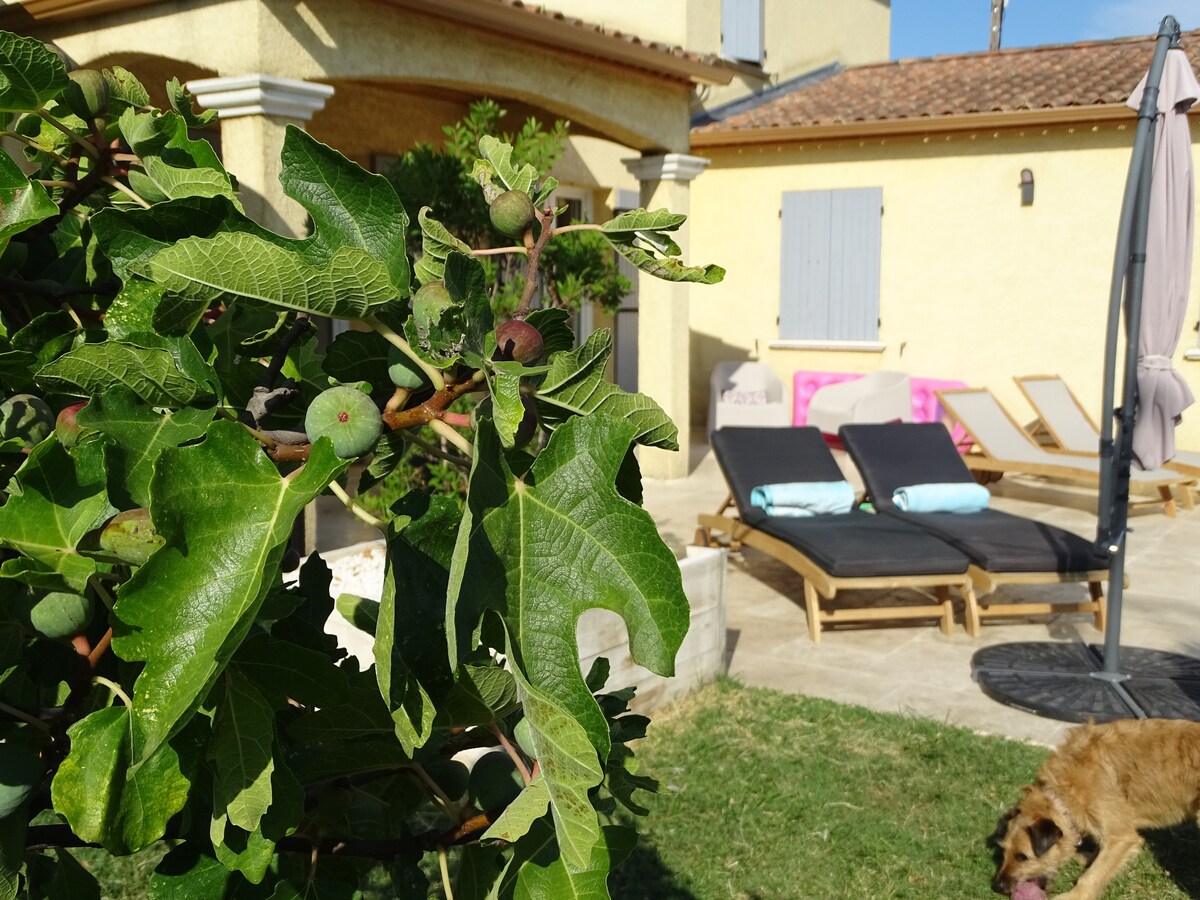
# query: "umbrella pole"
{"points": [[1128, 275]]}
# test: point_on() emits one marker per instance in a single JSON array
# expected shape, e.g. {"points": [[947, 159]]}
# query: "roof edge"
{"points": [[775, 91], [802, 134], [563, 33]]}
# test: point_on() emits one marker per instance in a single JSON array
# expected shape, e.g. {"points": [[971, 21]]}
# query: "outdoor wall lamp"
{"points": [[1027, 187]]}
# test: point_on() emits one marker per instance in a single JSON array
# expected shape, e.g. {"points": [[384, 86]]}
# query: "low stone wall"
{"points": [[359, 570]]}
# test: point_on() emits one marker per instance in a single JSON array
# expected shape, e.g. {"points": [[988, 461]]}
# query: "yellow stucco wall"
{"points": [[974, 286], [327, 40]]}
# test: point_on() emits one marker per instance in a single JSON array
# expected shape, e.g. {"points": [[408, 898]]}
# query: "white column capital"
{"points": [[666, 167], [257, 94]]}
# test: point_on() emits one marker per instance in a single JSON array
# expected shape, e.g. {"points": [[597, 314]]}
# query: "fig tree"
{"points": [[26, 417], [130, 536], [518, 340], [511, 213], [523, 734], [66, 429], [347, 417], [20, 772], [87, 94], [403, 371], [57, 615]]}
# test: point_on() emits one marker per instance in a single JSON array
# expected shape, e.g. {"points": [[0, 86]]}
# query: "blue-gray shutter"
{"points": [[829, 268], [742, 30]]}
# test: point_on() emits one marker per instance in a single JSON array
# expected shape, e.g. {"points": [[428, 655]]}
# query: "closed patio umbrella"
{"points": [[1162, 393], [1151, 269]]}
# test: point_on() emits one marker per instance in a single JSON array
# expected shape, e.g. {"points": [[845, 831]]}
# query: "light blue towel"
{"points": [[956, 497], [804, 498]]}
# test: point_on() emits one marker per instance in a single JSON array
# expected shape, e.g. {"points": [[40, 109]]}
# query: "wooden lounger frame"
{"points": [[979, 460], [986, 582], [818, 583], [1043, 428]]}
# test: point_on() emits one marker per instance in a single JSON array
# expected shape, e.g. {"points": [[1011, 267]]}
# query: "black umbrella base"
{"points": [[1067, 682]]}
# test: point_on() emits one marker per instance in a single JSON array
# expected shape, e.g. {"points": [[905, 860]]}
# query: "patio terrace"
{"points": [[913, 668]]}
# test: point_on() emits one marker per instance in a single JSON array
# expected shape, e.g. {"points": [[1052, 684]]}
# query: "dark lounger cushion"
{"points": [[855, 544], [895, 454]]}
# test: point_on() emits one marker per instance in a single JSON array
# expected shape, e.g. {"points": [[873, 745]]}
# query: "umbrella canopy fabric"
{"points": [[1163, 395]]}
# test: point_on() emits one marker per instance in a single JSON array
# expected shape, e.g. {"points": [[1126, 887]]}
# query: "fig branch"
{"points": [[533, 254]]}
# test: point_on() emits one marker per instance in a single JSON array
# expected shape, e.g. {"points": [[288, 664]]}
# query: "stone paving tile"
{"points": [[913, 668]]}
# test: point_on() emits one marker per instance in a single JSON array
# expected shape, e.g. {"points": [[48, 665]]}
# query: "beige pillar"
{"points": [[255, 110], [664, 332]]}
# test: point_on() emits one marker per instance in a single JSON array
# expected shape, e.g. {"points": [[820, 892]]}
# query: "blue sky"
{"points": [[928, 27]]}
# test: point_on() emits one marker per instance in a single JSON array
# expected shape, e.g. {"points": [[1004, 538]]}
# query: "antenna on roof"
{"points": [[998, 7]]}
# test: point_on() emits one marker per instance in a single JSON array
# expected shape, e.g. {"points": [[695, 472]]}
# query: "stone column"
{"points": [[664, 330], [254, 110]]}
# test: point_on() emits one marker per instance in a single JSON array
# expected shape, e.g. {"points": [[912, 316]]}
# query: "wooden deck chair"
{"points": [[854, 550], [1064, 421], [1003, 548], [1001, 445]]}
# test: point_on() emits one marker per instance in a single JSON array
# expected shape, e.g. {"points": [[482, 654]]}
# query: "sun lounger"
{"points": [[1062, 419], [1003, 548], [831, 552], [1001, 445]]}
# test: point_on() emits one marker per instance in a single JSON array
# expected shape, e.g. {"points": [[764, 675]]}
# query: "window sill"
{"points": [[1192, 355], [807, 344]]}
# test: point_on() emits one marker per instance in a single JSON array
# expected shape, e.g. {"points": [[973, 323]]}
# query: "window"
{"points": [[829, 269], [578, 203], [742, 30]]}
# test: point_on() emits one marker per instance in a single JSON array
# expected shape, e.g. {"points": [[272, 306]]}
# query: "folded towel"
{"points": [[804, 498], [956, 497]]}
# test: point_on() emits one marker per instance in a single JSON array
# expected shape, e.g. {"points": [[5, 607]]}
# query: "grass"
{"points": [[777, 796], [770, 796]]}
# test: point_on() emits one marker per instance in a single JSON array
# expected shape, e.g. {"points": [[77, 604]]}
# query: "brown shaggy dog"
{"points": [[1104, 784]]}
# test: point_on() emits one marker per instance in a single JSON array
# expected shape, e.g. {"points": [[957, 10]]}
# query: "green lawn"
{"points": [[769, 795]]}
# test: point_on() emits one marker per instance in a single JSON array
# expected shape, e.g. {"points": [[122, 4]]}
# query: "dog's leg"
{"points": [[1115, 851]]}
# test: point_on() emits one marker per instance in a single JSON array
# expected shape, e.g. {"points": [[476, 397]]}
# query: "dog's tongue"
{"points": [[1029, 890]]}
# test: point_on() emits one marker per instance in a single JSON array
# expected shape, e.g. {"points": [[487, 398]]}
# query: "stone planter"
{"points": [[359, 570]]}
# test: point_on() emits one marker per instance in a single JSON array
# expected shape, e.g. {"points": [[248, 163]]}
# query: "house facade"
{"points": [[952, 217], [373, 78]]}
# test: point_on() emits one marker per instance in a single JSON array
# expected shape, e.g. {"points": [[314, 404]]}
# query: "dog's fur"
{"points": [[1104, 784]]}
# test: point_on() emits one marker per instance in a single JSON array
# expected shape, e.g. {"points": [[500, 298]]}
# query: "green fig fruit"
{"points": [[130, 536], [26, 417], [20, 772], [518, 340], [523, 735], [512, 213], [66, 429], [494, 782], [428, 304], [403, 371], [87, 94], [347, 417], [57, 615]]}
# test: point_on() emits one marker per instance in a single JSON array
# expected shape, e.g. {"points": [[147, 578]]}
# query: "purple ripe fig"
{"points": [[66, 429], [130, 536], [518, 340], [347, 417], [511, 213], [529, 423]]}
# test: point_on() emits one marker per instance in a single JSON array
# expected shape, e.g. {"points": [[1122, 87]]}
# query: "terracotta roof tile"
{"points": [[1092, 73]]}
